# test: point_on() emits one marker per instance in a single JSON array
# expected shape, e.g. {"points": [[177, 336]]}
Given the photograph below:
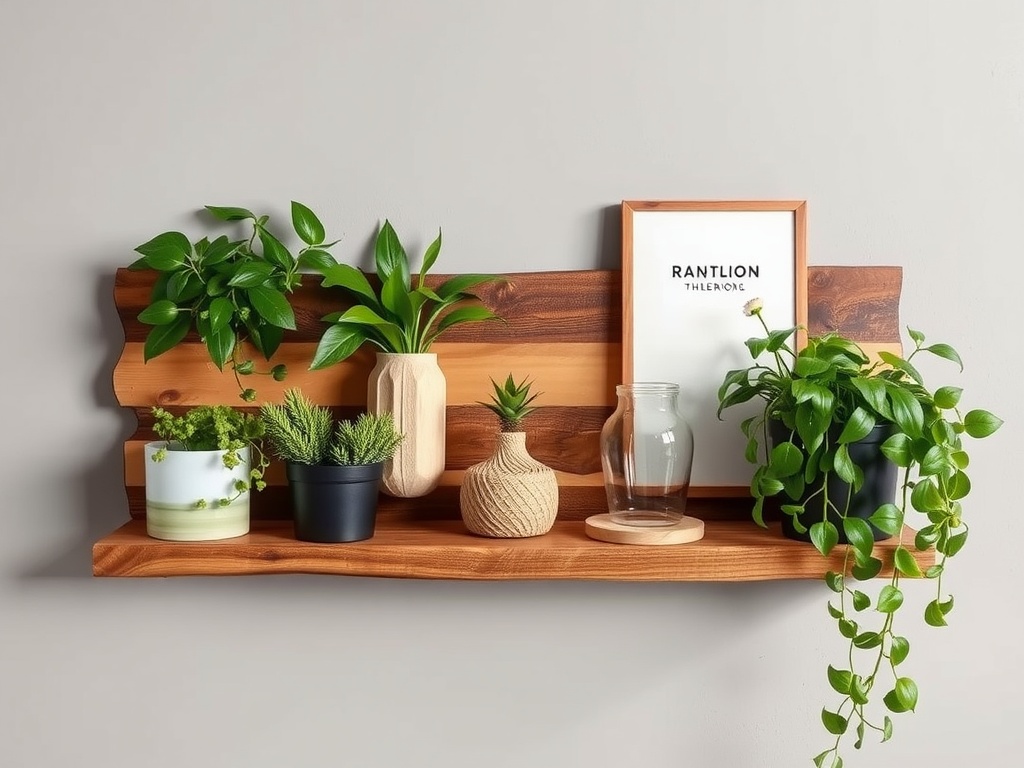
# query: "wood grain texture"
{"points": [[863, 303], [729, 551], [550, 307], [573, 374]]}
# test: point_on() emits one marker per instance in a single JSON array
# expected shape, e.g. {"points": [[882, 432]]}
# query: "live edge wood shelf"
{"points": [[561, 328]]}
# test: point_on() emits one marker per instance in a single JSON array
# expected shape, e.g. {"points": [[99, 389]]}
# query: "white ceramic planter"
{"points": [[174, 485], [413, 388]]}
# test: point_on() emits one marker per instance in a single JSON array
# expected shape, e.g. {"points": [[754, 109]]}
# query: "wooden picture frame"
{"points": [[688, 268]]}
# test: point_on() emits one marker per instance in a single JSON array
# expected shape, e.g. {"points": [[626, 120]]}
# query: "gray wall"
{"points": [[517, 127]]}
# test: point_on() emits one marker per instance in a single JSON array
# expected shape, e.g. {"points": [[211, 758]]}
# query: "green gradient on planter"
{"points": [[174, 522]]}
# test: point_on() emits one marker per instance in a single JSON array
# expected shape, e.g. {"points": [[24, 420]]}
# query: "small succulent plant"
{"points": [[511, 403]]}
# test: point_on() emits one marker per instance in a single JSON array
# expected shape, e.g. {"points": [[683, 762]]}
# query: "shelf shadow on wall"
{"points": [[98, 483]]}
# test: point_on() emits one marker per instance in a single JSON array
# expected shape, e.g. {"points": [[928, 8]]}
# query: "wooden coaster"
{"points": [[602, 528]]}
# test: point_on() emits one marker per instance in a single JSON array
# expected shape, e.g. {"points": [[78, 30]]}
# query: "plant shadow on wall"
{"points": [[856, 449]]}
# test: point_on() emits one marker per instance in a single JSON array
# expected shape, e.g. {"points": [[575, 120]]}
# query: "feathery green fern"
{"points": [[301, 432]]}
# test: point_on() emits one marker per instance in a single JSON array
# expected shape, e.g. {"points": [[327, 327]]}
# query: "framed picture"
{"points": [[688, 267]]}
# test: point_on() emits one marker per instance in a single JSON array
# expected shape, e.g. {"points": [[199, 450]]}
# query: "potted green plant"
{"points": [[829, 419], [333, 467], [511, 494], [198, 475], [402, 320], [229, 291]]}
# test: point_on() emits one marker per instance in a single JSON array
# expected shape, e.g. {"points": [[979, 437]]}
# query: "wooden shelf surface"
{"points": [[731, 550]]}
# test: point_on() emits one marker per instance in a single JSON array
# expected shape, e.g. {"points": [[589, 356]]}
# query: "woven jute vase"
{"points": [[511, 495]]}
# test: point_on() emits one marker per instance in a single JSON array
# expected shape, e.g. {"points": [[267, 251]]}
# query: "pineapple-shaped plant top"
{"points": [[511, 402]]}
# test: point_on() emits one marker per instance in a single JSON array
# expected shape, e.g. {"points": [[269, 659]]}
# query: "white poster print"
{"points": [[692, 272]]}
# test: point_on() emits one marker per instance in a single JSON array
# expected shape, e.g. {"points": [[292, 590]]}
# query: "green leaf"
{"points": [[933, 615], [860, 601], [163, 337], [159, 312], [873, 392], [220, 344], [858, 533], [926, 497], [947, 397], [898, 449], [430, 257], [217, 285], [777, 339], [945, 351], [251, 274], [395, 298], [756, 346], [221, 312], [839, 679], [926, 537], [859, 696], [936, 461], [182, 287], [229, 213], [867, 570], [353, 281], [318, 260], [954, 544], [307, 225], [834, 612], [460, 283], [266, 338], [888, 518], [899, 649], [858, 426], [889, 599], [834, 723], [138, 264], [843, 465], [275, 252], [906, 693], [905, 563], [824, 536], [220, 250], [785, 460], [390, 256], [272, 306], [848, 628], [917, 336], [462, 315], [900, 364], [337, 343], [979, 423], [810, 366], [834, 580], [959, 485], [906, 410], [893, 703], [757, 512], [887, 729], [934, 571], [867, 640], [808, 391], [167, 251]]}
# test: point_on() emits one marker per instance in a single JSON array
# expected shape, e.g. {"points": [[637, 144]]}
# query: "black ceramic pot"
{"points": [[334, 504], [880, 476]]}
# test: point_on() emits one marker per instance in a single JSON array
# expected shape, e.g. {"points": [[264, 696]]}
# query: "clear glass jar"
{"points": [[647, 455]]}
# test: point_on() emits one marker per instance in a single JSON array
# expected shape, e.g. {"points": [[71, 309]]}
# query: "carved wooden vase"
{"points": [[413, 389], [511, 494]]}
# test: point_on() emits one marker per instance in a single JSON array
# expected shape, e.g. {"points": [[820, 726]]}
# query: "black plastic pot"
{"points": [[880, 476], [334, 504]]}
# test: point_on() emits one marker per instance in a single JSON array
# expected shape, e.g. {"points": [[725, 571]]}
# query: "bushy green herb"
{"points": [[829, 395], [302, 432], [399, 318], [511, 403], [215, 428], [230, 291]]}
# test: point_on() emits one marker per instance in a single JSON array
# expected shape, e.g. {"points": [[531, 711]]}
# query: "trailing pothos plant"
{"points": [[828, 395], [230, 291], [215, 428], [404, 316]]}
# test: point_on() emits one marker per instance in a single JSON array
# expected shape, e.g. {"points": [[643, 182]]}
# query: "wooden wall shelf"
{"points": [[562, 328], [731, 550]]}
